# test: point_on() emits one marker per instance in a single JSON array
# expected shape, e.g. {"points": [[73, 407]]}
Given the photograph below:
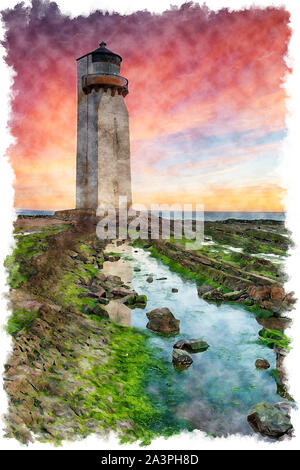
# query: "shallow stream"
{"points": [[215, 393]]}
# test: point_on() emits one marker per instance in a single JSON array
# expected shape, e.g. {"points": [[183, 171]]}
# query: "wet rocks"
{"points": [[122, 291], [214, 294], [101, 277], [97, 310], [269, 421], [272, 298], [174, 290], [111, 258], [181, 359], [203, 289], [136, 269], [262, 364], [191, 345], [162, 320], [149, 279]]}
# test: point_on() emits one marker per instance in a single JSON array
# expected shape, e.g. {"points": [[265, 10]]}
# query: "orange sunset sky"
{"points": [[206, 103]]}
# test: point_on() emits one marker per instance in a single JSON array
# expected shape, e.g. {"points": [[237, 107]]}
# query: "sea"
{"points": [[209, 216]]}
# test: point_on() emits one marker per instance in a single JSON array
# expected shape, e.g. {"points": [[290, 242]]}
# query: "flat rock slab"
{"points": [[162, 320], [191, 345]]}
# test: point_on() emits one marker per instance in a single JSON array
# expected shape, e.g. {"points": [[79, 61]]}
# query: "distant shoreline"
{"points": [[209, 216]]}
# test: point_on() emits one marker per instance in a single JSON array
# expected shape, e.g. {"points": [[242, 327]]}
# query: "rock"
{"points": [[163, 321], [274, 323], [214, 294], [149, 279], [203, 289], [101, 276], [269, 421], [161, 278], [87, 309], [100, 312], [235, 295], [122, 291], [111, 258], [277, 293], [136, 269], [119, 242], [113, 279], [181, 359], [100, 292], [262, 364], [191, 345], [284, 407], [174, 289], [72, 253]]}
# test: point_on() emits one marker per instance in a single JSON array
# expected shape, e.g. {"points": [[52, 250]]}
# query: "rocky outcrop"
{"points": [[269, 421], [191, 345], [181, 359], [220, 272], [271, 298], [162, 320]]}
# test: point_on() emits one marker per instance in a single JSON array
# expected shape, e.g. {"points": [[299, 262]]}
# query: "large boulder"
{"points": [[191, 345], [269, 421], [163, 321], [181, 359]]}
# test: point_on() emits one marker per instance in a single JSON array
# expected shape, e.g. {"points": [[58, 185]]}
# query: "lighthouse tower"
{"points": [[103, 147]]}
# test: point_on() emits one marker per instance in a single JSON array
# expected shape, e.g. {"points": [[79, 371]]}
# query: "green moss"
{"points": [[186, 273], [19, 264], [20, 320]]}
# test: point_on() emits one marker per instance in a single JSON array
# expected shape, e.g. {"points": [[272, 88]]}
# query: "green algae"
{"points": [[118, 399], [273, 338], [20, 320]]}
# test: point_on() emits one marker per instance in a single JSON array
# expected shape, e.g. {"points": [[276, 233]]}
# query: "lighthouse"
{"points": [[103, 146]]}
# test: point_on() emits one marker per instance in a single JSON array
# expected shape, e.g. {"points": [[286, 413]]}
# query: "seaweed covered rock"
{"points": [[191, 345], [269, 421], [163, 321], [181, 359]]}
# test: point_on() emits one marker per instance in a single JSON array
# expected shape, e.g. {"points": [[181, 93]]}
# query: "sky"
{"points": [[207, 104]]}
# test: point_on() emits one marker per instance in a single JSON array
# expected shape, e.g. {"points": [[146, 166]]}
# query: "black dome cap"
{"points": [[102, 54]]}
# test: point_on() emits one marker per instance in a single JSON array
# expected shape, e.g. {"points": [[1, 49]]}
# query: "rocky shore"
{"points": [[73, 370]]}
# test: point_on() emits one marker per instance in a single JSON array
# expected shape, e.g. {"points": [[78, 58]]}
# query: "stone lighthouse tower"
{"points": [[103, 147]]}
